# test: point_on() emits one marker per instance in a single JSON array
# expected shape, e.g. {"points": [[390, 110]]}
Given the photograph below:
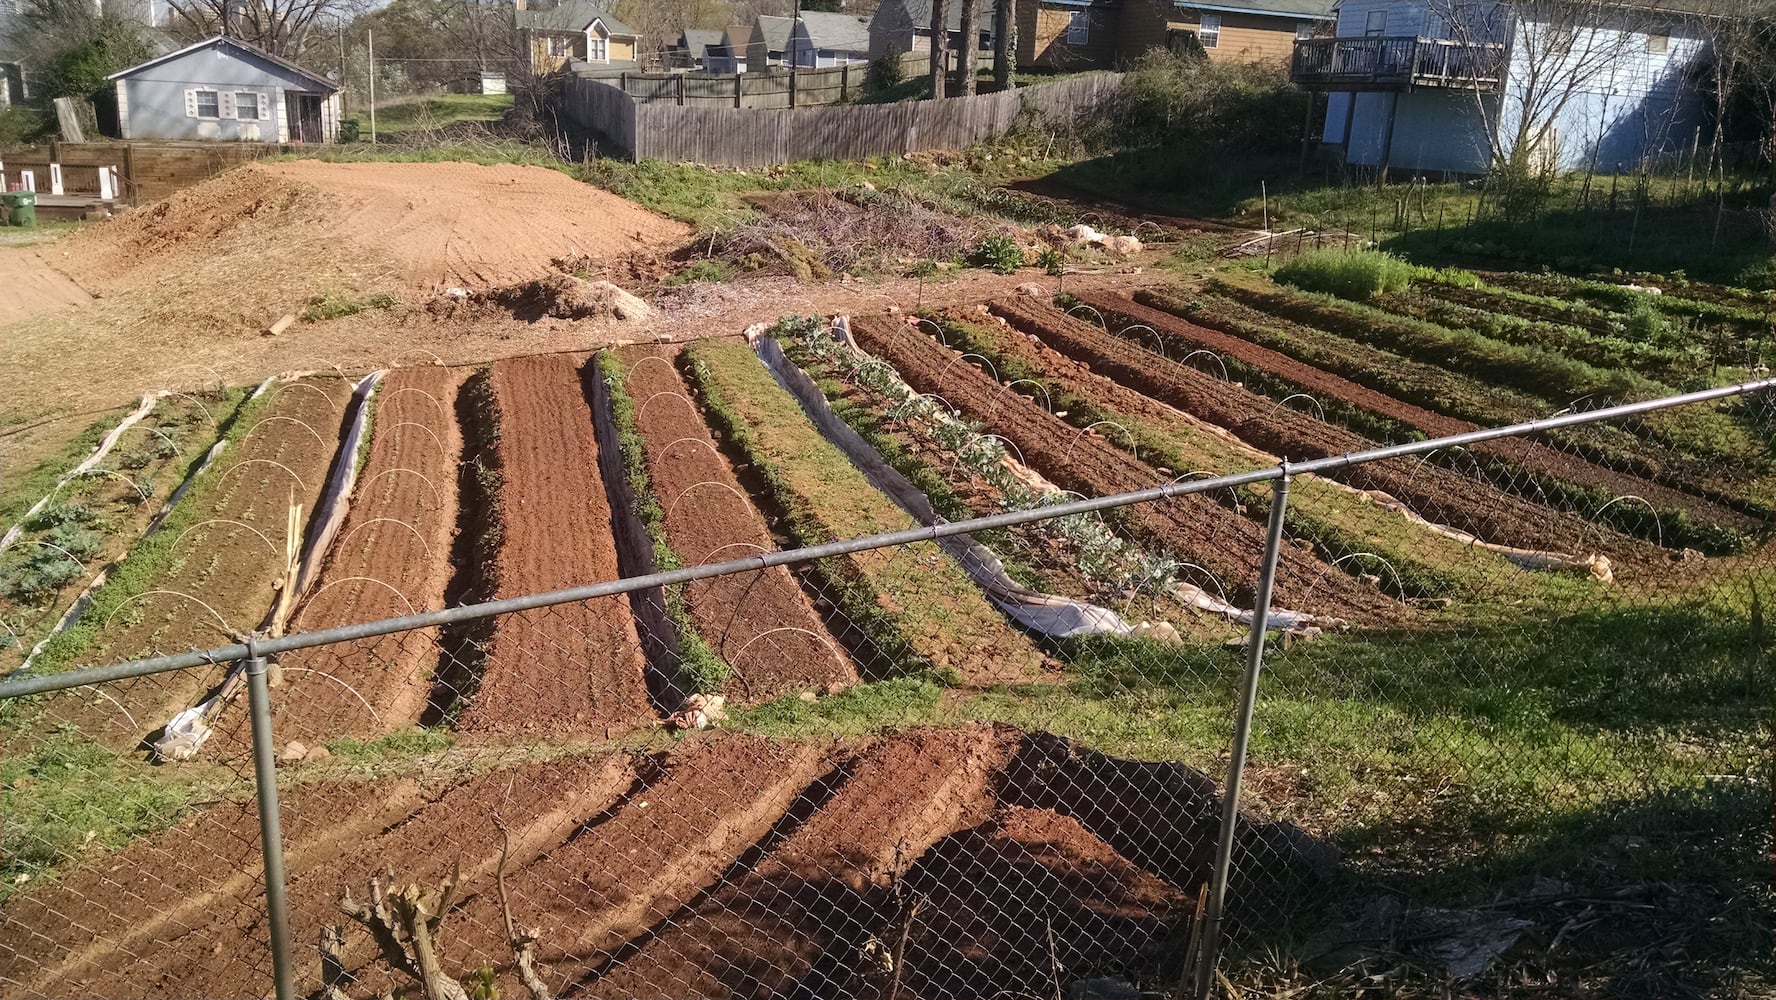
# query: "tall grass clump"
{"points": [[1356, 275], [1167, 96]]}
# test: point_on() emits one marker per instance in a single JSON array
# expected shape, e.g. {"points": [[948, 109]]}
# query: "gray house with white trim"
{"points": [[227, 90]]}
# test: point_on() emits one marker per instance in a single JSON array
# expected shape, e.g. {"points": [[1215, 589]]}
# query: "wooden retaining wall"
{"points": [[148, 171], [751, 137]]}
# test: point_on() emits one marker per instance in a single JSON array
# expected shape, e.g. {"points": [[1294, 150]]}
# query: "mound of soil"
{"points": [[559, 296], [439, 225]]}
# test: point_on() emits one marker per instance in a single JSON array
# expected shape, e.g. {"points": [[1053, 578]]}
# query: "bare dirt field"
{"points": [[31, 288]]}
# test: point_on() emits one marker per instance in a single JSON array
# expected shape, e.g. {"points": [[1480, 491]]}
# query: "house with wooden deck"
{"points": [[1428, 87], [225, 89]]}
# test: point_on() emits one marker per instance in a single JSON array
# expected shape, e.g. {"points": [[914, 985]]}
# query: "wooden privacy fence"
{"points": [[776, 87], [753, 137]]}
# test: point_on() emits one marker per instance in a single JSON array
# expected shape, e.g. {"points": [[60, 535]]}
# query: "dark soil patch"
{"points": [[570, 667], [709, 518]]}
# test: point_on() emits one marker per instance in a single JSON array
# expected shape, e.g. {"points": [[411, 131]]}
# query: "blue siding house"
{"points": [[1410, 90], [227, 90]]}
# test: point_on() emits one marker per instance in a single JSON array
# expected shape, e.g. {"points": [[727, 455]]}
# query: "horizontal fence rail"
{"points": [[18, 687]]}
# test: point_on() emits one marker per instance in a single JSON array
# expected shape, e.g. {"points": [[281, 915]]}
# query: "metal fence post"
{"points": [[271, 830], [1209, 953]]}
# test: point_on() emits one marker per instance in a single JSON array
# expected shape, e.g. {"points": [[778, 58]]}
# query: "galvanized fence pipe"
{"points": [[271, 827], [1209, 949], [18, 687]]}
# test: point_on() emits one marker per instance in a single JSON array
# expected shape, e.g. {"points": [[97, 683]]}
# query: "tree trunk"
{"points": [[1004, 43], [970, 43], [940, 47]]}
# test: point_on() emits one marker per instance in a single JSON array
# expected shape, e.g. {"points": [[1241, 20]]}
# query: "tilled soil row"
{"points": [[1435, 493], [732, 866], [1523, 465], [571, 667], [709, 517], [223, 572], [391, 557], [1195, 527]]}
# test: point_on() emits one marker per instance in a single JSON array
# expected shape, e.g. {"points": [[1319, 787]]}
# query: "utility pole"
{"points": [[795, 21], [370, 56], [340, 24]]}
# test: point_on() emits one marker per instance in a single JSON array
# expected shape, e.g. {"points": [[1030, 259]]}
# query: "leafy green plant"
{"points": [[335, 306], [81, 543], [999, 254], [709, 269], [1052, 261], [57, 514], [1357, 275]]}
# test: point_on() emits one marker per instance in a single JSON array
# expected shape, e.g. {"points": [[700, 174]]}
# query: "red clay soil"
{"points": [[397, 532], [1194, 527], [233, 568], [1080, 354], [806, 908], [571, 667], [1526, 454], [717, 522], [731, 866]]}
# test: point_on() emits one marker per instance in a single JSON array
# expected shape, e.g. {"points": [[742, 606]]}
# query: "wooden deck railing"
{"points": [[1384, 63]]}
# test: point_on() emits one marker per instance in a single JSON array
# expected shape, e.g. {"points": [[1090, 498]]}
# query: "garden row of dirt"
{"points": [[1436, 493], [569, 667], [1522, 465], [1708, 450], [1196, 527], [911, 607], [760, 624], [391, 557], [732, 866], [218, 573]]}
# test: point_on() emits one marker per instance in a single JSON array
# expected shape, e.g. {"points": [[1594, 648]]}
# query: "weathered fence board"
{"points": [[704, 131]]}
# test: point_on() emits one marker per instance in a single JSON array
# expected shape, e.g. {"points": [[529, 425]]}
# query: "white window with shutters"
{"points": [[248, 106], [200, 103]]}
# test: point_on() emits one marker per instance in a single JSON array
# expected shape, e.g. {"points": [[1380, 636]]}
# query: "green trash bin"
{"points": [[21, 207]]}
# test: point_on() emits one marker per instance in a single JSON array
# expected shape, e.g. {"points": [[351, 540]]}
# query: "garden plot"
{"points": [[1522, 465], [763, 635], [579, 667], [1433, 492], [391, 557], [912, 607], [1195, 527], [210, 574], [83, 512], [1411, 558], [1699, 438], [728, 864]]}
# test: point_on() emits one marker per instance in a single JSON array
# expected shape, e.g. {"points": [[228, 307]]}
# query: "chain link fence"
{"points": [[1492, 740]]}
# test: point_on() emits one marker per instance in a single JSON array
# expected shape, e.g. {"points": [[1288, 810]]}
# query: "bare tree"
{"points": [[1527, 61], [280, 27], [970, 43], [1005, 43], [940, 47]]}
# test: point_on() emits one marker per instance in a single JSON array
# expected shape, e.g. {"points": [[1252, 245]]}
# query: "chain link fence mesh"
{"points": [[1518, 744]]}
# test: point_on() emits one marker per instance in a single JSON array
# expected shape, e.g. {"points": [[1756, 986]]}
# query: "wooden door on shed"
{"points": [[303, 112]]}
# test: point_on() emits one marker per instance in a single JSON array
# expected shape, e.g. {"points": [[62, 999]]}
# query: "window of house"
{"points": [[1375, 23], [1209, 30], [1560, 39], [598, 49], [1078, 27], [209, 104], [246, 106], [1658, 43], [1304, 30], [557, 46]]}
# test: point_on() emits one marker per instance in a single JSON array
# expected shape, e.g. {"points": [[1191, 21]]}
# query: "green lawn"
{"points": [[419, 114]]}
